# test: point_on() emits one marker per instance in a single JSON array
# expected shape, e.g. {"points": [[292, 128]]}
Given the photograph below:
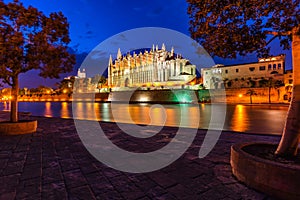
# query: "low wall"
{"points": [[173, 96], [262, 95], [65, 97], [160, 96]]}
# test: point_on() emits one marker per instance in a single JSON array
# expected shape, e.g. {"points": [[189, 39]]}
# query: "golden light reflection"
{"points": [[171, 116], [157, 116], [64, 110], [48, 111], [139, 114], [240, 119]]}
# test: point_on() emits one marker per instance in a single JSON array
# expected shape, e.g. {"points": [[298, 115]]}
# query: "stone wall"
{"points": [[262, 95], [65, 97], [173, 96]]}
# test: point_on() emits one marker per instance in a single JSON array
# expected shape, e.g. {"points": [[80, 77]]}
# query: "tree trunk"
{"points": [[288, 145], [14, 100]]}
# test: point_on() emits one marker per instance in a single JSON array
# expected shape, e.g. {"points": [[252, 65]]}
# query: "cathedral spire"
{"points": [[163, 47], [110, 61], [153, 48], [156, 47], [119, 55], [172, 51]]}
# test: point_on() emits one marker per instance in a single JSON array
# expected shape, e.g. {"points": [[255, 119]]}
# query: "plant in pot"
{"points": [[30, 40], [229, 29]]}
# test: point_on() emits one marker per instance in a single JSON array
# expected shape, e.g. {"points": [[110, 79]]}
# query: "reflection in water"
{"points": [[64, 110], [48, 111], [240, 120], [244, 118]]}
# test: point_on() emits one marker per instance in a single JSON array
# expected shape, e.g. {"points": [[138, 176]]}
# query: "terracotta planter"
{"points": [[17, 128], [273, 178]]}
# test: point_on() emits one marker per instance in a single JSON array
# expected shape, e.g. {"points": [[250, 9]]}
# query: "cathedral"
{"points": [[152, 68]]}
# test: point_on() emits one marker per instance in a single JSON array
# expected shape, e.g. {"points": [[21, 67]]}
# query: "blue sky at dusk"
{"points": [[93, 21]]}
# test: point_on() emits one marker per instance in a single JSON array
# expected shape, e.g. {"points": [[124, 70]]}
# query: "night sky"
{"points": [[93, 21]]}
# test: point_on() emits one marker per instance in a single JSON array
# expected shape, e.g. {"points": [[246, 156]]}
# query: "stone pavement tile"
{"points": [[141, 181], [112, 195], [244, 192], [122, 184], [13, 168], [88, 168], [34, 159], [144, 198], [95, 177], [156, 192], [162, 179], [211, 195], [102, 187], [181, 192], [49, 162], [3, 164], [18, 156], [5, 154], [10, 181], [83, 192], [68, 164], [31, 171], [26, 189], [74, 179], [50, 175], [133, 195], [110, 173], [55, 190], [8, 195]]}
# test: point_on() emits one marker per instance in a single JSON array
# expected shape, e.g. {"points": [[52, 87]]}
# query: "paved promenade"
{"points": [[53, 164]]}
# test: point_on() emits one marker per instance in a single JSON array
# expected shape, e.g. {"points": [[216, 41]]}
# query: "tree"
{"points": [[270, 83], [230, 28], [251, 92], [99, 80], [66, 84], [31, 41]]}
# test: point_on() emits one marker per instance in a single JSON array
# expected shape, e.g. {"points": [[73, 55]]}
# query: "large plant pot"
{"points": [[276, 179], [17, 128]]}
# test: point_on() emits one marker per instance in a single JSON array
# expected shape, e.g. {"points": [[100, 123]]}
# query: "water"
{"points": [[260, 119]]}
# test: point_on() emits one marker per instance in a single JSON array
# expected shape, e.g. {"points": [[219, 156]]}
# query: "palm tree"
{"points": [[251, 92]]}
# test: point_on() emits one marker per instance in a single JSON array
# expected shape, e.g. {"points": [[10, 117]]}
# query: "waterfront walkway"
{"points": [[53, 164]]}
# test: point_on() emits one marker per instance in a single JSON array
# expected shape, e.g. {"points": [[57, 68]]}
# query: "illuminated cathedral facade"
{"points": [[152, 68]]}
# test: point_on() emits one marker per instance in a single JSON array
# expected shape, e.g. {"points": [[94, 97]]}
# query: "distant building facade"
{"points": [[152, 68], [244, 75], [288, 83], [81, 73]]}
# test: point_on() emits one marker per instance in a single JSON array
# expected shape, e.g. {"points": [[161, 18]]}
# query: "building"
{"points": [[152, 68], [244, 75], [81, 73]]}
